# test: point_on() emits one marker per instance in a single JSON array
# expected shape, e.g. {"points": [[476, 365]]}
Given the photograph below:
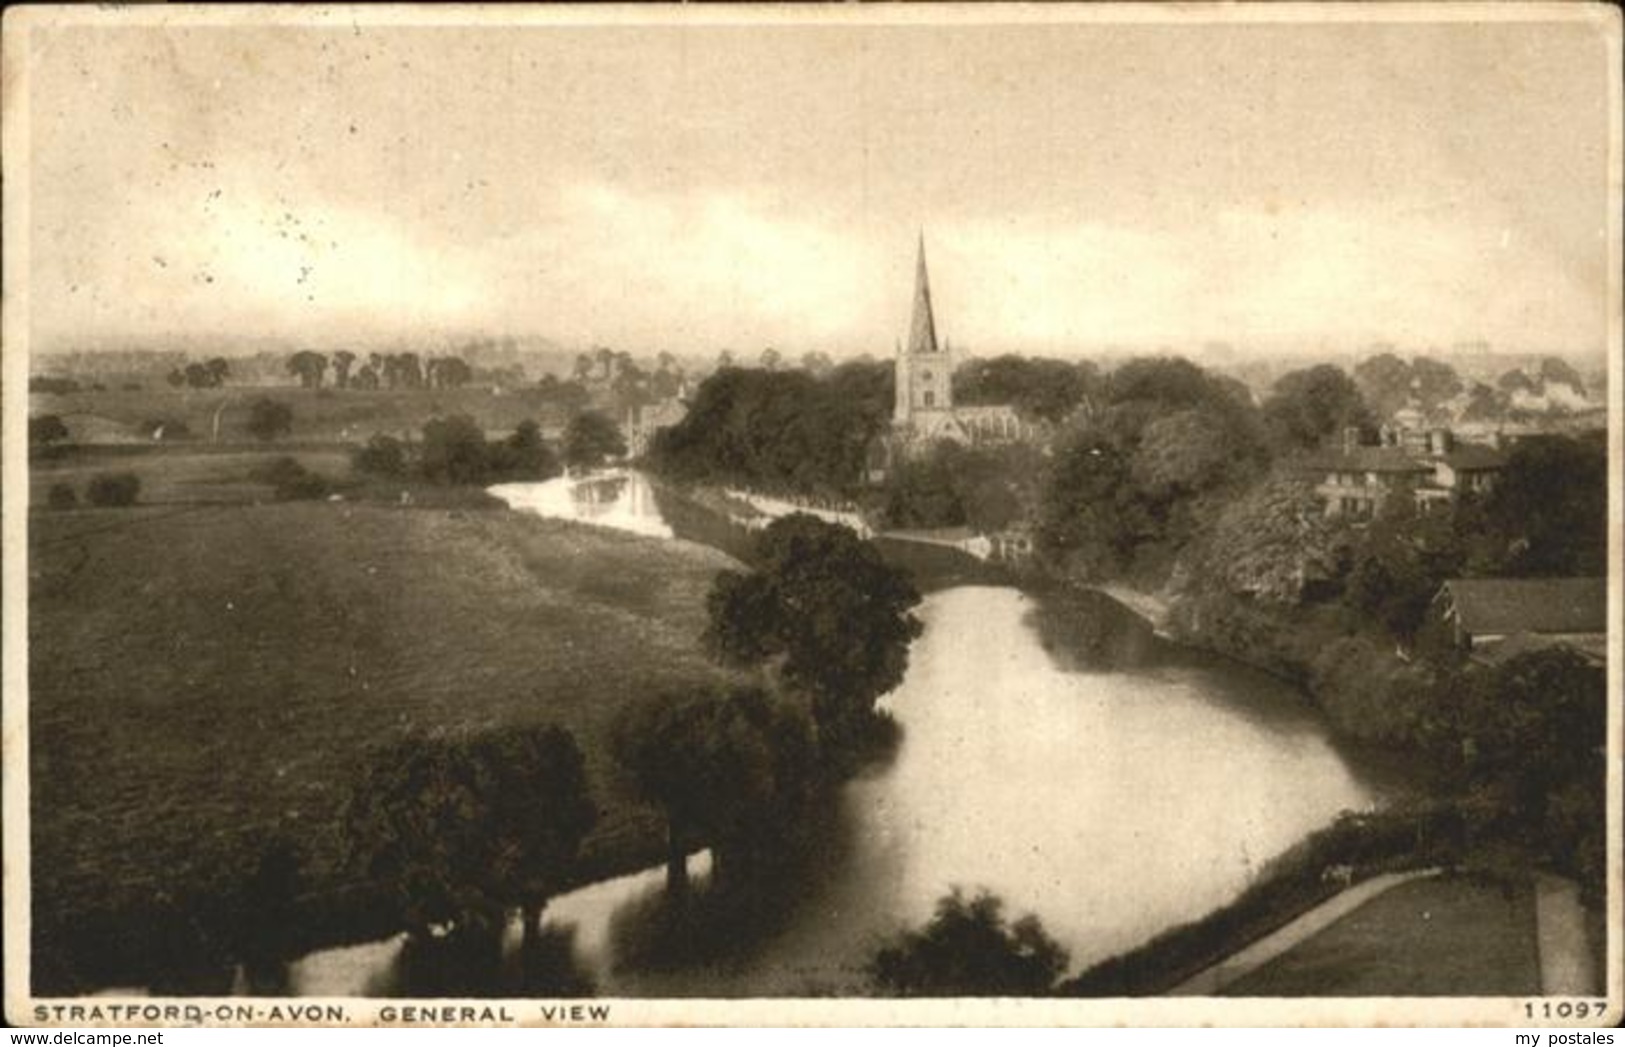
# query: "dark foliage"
{"points": [[113, 489], [454, 451], [383, 456], [1307, 407], [269, 419], [1548, 513], [838, 618], [968, 950], [1047, 390], [61, 496], [733, 769], [1133, 484], [591, 439], [780, 430], [56, 386], [456, 831], [291, 481], [45, 430]]}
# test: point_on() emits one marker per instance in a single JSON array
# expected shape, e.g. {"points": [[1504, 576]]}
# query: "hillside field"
{"points": [[205, 678], [119, 415]]}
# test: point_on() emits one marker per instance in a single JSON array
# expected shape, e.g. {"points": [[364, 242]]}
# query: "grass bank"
{"points": [[205, 679], [1366, 844]]}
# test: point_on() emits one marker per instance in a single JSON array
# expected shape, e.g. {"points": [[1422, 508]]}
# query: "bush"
{"points": [[268, 419], [291, 481], [383, 456], [45, 430], [968, 949], [61, 496], [113, 489]]}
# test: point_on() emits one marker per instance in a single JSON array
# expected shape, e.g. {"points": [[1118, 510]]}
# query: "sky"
{"points": [[692, 187]]}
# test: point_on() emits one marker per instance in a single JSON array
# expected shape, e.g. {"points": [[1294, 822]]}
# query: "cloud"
{"points": [[708, 269]]}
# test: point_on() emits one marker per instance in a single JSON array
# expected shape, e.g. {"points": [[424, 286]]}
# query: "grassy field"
{"points": [[114, 415], [204, 677], [1434, 937], [181, 475]]}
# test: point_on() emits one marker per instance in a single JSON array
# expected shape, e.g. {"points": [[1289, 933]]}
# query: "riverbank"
{"points": [[293, 639], [1354, 849]]}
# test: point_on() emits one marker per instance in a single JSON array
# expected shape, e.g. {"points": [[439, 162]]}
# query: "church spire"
{"points": [[922, 328]]}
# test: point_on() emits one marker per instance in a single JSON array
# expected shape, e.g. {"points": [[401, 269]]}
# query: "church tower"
{"points": [[924, 371]]}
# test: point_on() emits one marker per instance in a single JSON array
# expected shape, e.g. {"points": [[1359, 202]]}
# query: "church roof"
{"points": [[922, 327]]}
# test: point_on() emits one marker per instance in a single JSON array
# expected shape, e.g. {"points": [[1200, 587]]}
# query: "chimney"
{"points": [[1351, 439], [1439, 441], [1498, 440]]}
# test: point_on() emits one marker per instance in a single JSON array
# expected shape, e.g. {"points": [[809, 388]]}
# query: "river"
{"points": [[1083, 770]]}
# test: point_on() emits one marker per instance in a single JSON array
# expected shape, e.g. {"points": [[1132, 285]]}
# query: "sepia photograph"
{"points": [[812, 515]]}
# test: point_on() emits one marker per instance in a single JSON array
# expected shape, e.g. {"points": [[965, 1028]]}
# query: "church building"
{"points": [[924, 411]]}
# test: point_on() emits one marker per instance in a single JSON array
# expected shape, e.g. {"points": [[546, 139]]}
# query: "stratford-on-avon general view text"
{"points": [[523, 513]]}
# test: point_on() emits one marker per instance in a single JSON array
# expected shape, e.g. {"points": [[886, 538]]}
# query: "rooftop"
{"points": [[1503, 606], [1473, 456], [1367, 459]]}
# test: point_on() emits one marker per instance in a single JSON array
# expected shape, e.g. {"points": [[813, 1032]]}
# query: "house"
{"points": [[1491, 619], [1432, 468]]}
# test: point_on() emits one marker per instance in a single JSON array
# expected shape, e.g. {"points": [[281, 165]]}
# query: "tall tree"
{"points": [[343, 360], [731, 769], [591, 439], [1306, 407], [541, 811], [832, 615], [309, 367]]}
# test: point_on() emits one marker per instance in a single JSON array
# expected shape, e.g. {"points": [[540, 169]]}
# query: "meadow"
{"points": [[118, 414], [209, 674]]}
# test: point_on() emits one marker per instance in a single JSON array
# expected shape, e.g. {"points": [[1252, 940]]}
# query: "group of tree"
{"points": [[628, 383], [406, 370], [1524, 744], [210, 374], [1389, 383], [455, 451], [105, 491], [1546, 516], [826, 625], [1433, 387], [1131, 483], [459, 831], [826, 615], [782, 429], [985, 488], [969, 949], [730, 768], [1040, 389]]}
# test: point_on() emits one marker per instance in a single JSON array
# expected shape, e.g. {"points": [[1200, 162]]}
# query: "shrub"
{"points": [[383, 456], [291, 481], [61, 496], [268, 419], [969, 949], [112, 489]]}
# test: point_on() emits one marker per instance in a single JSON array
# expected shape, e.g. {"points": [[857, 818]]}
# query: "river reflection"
{"points": [[619, 498], [1110, 783]]}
